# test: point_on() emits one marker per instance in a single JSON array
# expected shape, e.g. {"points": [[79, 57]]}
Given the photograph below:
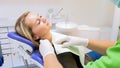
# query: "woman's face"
{"points": [[40, 26]]}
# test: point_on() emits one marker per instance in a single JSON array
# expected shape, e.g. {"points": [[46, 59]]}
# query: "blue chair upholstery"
{"points": [[1, 60], [35, 55], [38, 57], [1, 56]]}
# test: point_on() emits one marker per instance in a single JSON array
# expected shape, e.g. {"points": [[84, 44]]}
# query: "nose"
{"points": [[43, 20]]}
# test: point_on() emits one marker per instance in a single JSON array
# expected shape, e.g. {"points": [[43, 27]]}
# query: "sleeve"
{"points": [[111, 60]]}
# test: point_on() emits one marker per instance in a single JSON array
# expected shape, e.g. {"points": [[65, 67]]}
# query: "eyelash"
{"points": [[39, 21]]}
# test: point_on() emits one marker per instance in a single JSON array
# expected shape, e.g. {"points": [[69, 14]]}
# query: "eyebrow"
{"points": [[36, 18]]}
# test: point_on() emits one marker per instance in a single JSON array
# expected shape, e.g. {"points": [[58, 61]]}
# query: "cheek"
{"points": [[37, 31], [40, 31]]}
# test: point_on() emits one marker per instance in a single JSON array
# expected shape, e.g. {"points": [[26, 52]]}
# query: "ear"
{"points": [[35, 37]]}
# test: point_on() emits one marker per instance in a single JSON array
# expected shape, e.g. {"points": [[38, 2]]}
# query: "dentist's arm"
{"points": [[96, 45], [100, 45], [47, 51]]}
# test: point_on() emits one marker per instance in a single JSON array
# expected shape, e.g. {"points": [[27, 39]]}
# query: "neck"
{"points": [[47, 36]]}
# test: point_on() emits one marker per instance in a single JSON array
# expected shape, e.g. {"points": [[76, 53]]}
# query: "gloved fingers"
{"points": [[63, 46], [66, 44], [43, 42], [62, 40], [45, 48]]}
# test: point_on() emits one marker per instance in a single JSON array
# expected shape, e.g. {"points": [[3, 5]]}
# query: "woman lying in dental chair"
{"points": [[37, 29]]}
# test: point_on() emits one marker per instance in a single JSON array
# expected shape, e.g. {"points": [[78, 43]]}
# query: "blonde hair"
{"points": [[23, 29]]}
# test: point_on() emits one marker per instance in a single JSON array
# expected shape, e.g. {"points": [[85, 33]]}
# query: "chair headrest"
{"points": [[17, 37]]}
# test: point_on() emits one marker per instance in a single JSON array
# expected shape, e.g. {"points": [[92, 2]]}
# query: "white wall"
{"points": [[10, 10], [16, 7], [90, 12]]}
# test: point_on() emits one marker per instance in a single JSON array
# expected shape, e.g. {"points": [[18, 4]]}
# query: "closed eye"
{"points": [[38, 22]]}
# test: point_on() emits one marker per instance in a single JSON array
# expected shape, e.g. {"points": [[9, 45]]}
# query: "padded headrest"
{"points": [[17, 37]]}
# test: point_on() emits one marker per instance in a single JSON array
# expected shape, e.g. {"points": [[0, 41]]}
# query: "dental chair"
{"points": [[1, 56], [1, 60], [26, 50]]}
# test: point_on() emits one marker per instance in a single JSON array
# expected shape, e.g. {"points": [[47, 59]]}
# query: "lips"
{"points": [[47, 23]]}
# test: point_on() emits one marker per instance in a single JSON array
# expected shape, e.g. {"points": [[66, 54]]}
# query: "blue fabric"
{"points": [[94, 55], [1, 56], [1, 60], [17, 37], [38, 57]]}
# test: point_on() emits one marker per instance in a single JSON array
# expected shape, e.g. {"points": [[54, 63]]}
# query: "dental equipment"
{"points": [[59, 11]]}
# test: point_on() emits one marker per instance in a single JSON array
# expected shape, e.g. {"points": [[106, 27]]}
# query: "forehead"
{"points": [[30, 19], [32, 15]]}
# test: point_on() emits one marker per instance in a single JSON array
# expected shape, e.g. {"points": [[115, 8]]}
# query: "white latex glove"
{"points": [[45, 48], [71, 40]]}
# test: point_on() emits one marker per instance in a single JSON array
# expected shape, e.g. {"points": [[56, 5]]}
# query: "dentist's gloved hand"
{"points": [[46, 48], [71, 40]]}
